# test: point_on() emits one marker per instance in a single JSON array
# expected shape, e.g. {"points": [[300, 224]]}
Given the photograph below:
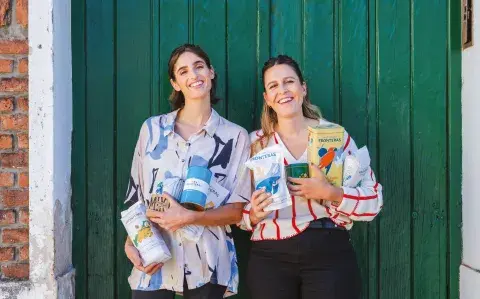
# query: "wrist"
{"points": [[253, 219], [194, 217], [335, 194]]}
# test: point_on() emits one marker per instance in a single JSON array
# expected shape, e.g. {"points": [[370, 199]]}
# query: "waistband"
{"points": [[325, 223]]}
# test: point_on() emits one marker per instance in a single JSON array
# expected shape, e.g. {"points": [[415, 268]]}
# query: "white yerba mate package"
{"points": [[269, 173], [145, 237], [355, 167]]}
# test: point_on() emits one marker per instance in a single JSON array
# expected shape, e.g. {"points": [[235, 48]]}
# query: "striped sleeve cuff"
{"points": [[349, 202], [246, 224]]}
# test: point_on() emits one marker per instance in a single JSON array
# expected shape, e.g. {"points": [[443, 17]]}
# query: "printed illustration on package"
{"points": [[144, 232]]}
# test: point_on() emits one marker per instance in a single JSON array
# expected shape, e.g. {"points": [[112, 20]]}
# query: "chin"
{"points": [[288, 113], [199, 96]]}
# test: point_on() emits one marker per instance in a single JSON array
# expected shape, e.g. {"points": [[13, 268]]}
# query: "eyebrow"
{"points": [[195, 63]]}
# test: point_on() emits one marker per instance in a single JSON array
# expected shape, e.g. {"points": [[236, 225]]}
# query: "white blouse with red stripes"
{"points": [[362, 203]]}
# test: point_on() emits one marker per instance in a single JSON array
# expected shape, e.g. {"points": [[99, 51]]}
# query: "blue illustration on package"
{"points": [[271, 182], [269, 173]]}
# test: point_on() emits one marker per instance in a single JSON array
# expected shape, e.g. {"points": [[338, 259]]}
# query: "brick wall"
{"points": [[13, 140]]}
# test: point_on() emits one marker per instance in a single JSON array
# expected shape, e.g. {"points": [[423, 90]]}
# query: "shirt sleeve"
{"points": [[135, 183], [241, 189], [246, 188], [364, 202]]}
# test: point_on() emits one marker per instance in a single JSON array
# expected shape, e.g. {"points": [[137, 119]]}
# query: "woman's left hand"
{"points": [[173, 218], [315, 187]]}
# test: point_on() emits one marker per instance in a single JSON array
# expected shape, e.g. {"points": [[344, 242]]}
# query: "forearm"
{"points": [[334, 194], [224, 215]]}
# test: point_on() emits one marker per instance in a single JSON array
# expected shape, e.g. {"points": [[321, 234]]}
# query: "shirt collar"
{"points": [[210, 126]]}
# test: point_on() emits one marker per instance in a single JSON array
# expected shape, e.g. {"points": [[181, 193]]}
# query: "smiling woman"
{"points": [[302, 250], [169, 145]]}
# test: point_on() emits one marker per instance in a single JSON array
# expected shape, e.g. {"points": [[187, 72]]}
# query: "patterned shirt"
{"points": [[362, 203], [160, 154]]}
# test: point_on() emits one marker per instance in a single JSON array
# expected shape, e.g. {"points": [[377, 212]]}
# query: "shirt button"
{"points": [[188, 143], [183, 160]]}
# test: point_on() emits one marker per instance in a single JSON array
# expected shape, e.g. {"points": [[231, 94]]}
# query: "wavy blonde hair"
{"points": [[269, 119]]}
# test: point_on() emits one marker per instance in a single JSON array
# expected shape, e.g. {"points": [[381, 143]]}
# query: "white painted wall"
{"points": [[50, 129], [470, 270]]}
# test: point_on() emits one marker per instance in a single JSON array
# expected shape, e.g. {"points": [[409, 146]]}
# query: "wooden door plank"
{"points": [[241, 92], [209, 31], [429, 148], [263, 54], [353, 51], [319, 54], [286, 29], [454, 148], [100, 148], [395, 148], [173, 30], [79, 146], [133, 105]]}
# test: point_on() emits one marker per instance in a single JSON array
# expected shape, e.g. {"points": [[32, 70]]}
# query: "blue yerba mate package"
{"points": [[269, 173]]}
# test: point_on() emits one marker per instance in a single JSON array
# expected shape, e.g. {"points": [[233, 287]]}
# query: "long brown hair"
{"points": [[177, 98], [269, 119]]}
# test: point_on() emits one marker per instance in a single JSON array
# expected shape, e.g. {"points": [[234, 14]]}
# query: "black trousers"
{"points": [[208, 291], [316, 264]]}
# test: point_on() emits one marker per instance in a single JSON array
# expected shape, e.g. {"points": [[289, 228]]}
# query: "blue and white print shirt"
{"points": [[160, 154]]}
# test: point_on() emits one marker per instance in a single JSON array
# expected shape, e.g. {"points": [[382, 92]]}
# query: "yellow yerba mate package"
{"points": [[325, 149]]}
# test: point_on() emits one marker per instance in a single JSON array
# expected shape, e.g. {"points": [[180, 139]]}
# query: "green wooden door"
{"points": [[387, 70]]}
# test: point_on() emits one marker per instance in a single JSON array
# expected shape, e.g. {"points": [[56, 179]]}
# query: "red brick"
{"points": [[14, 198], [6, 179], [7, 254], [13, 84], [6, 141], [23, 216], [22, 104], [14, 122], [23, 66], [23, 253], [22, 141], [6, 104], [13, 47], [7, 217], [6, 66], [23, 179], [22, 12], [15, 235], [18, 271], [4, 12], [14, 160]]}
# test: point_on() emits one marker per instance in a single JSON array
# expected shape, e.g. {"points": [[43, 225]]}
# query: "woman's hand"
{"points": [[259, 200], [173, 218], [134, 257], [316, 187]]}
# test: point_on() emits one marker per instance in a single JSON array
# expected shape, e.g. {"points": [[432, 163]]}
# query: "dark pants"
{"points": [[208, 291], [316, 264]]}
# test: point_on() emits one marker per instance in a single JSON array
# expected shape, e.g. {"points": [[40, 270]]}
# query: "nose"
{"points": [[283, 88], [195, 72]]}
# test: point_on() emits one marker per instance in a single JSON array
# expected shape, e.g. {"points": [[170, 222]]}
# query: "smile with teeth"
{"points": [[196, 83], [285, 100]]}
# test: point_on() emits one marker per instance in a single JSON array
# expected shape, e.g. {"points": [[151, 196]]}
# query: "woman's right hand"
{"points": [[259, 200], [134, 257]]}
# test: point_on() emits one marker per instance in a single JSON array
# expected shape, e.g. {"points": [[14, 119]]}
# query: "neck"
{"points": [[195, 112], [291, 126]]}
